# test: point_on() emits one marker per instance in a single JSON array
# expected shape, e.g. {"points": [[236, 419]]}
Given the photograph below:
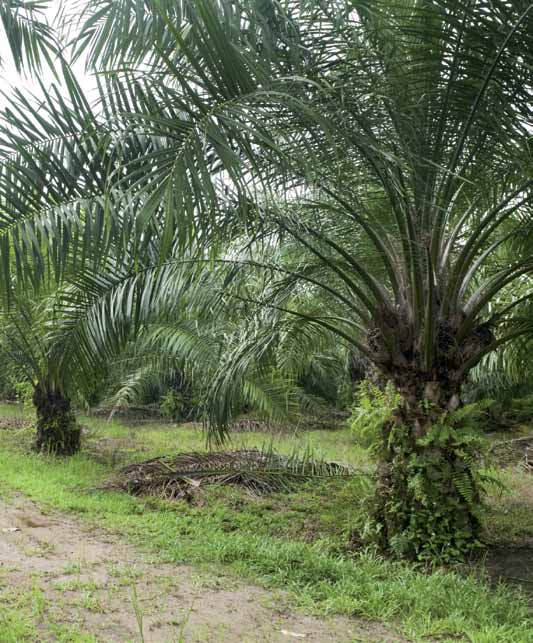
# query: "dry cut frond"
{"points": [[175, 477]]}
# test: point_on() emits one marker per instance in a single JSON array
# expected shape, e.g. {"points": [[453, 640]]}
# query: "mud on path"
{"points": [[93, 582]]}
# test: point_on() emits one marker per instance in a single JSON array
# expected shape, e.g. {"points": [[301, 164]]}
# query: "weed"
{"points": [[138, 611]]}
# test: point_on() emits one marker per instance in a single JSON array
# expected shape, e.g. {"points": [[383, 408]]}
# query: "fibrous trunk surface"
{"points": [[57, 430]]}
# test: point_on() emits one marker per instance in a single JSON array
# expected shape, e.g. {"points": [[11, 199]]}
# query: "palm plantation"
{"points": [[350, 174]]}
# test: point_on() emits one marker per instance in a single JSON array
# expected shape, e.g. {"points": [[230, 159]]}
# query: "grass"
{"points": [[298, 542], [511, 508], [22, 615], [17, 617], [152, 440]]}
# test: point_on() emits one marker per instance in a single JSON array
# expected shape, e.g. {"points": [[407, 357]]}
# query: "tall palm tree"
{"points": [[402, 127]]}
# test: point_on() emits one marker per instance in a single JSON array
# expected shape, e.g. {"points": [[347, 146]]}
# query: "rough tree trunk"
{"points": [[428, 498], [57, 430]]}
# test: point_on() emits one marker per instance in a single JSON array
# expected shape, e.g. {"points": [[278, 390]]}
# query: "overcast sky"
{"points": [[9, 77]]}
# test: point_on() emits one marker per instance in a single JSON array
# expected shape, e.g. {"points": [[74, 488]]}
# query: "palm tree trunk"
{"points": [[428, 499], [57, 430]]}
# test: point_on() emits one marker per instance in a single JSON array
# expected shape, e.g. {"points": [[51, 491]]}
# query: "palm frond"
{"points": [[28, 35], [176, 477]]}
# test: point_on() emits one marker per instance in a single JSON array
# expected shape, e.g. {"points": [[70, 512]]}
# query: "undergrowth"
{"points": [[305, 542]]}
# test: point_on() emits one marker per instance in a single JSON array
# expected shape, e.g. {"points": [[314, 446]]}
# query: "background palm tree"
{"points": [[28, 337]]}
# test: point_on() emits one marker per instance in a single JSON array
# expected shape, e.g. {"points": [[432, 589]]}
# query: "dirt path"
{"points": [[95, 583]]}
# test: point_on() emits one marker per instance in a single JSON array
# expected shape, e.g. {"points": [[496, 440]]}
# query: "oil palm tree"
{"points": [[55, 220], [28, 338], [403, 127], [407, 122]]}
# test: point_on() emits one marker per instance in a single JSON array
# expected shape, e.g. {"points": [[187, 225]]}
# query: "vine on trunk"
{"points": [[429, 500]]}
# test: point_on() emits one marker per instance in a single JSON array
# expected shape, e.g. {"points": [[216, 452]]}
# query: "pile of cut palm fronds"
{"points": [[180, 476], [332, 419], [256, 425], [515, 451], [14, 423]]}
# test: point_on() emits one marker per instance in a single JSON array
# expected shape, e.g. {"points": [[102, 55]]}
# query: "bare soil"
{"points": [[104, 587]]}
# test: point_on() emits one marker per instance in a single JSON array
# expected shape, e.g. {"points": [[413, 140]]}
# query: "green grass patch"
{"points": [[152, 440], [299, 541], [510, 514], [25, 618]]}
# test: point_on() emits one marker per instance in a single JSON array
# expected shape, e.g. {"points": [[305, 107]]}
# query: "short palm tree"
{"points": [[28, 336], [389, 141]]}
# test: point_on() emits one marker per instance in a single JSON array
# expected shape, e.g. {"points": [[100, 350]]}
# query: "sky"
{"points": [[10, 78]]}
